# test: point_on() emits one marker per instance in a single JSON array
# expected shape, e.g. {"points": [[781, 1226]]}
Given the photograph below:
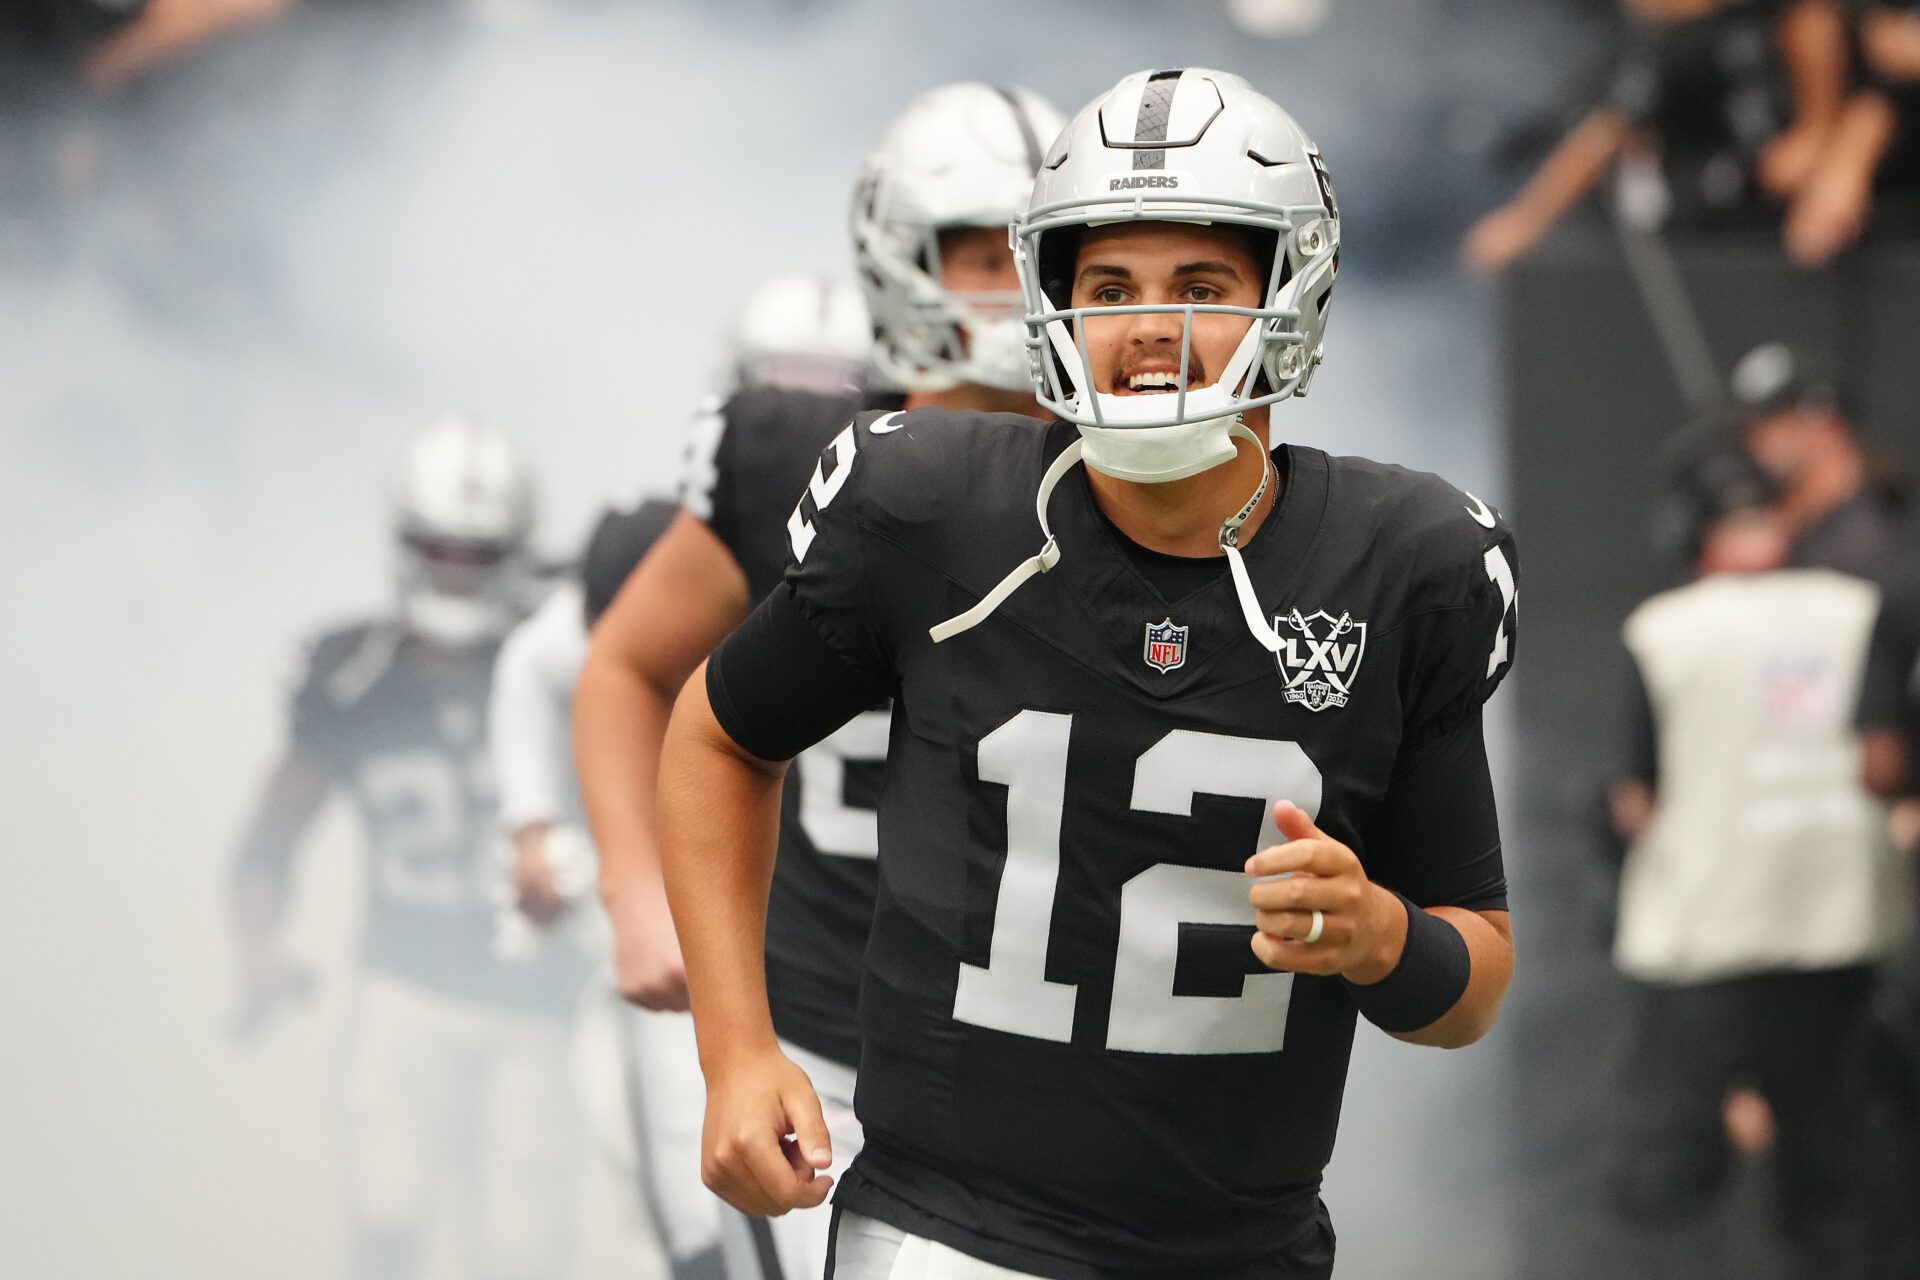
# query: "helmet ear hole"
{"points": [[1059, 255]]}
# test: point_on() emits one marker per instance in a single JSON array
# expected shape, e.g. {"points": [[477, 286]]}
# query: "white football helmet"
{"points": [[1190, 146], [1179, 146], [799, 332], [463, 510], [962, 155]]}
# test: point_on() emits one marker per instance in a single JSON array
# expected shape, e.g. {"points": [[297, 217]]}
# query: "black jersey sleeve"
{"points": [[1462, 641], [702, 463], [1890, 686], [618, 543], [834, 556], [817, 651], [1639, 736], [777, 687], [1436, 837]]}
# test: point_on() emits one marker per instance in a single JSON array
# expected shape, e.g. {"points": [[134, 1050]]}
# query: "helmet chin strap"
{"points": [[1049, 554], [1250, 609]]}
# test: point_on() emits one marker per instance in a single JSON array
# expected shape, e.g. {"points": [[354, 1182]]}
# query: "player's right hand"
{"points": [[766, 1143], [647, 963]]}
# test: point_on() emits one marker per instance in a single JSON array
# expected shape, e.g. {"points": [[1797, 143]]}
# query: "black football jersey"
{"points": [[1073, 1064], [402, 728], [748, 461]]}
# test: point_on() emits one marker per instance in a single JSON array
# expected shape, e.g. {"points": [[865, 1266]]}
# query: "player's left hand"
{"points": [[536, 886], [1357, 916]]}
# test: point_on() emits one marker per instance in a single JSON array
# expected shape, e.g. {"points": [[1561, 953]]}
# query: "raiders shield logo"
{"points": [[1166, 645], [1320, 658]]}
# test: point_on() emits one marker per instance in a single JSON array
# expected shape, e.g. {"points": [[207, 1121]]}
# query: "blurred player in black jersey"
{"points": [[455, 1085], [1167, 806], [641, 1075], [929, 229]]}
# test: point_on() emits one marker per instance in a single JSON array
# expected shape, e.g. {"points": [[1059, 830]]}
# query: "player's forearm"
{"points": [[719, 825], [1863, 135], [257, 902], [1884, 762], [1489, 940], [1813, 34], [1573, 169], [620, 717], [263, 864]]}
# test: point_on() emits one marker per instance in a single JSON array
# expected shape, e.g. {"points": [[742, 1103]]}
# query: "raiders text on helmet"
{"points": [[962, 155]]}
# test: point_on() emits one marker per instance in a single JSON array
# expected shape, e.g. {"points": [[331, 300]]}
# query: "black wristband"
{"points": [[1429, 980]]}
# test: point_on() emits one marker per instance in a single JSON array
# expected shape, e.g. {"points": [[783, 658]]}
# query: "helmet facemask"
{"points": [[1157, 438], [929, 337]]}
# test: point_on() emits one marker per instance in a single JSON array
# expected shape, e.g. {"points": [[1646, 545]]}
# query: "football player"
{"points": [[1168, 804], [455, 1084], [929, 226], [798, 332]]}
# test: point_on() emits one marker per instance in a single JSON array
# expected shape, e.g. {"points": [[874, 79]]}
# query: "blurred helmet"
{"points": [[1193, 146], [801, 333], [962, 155], [463, 510]]}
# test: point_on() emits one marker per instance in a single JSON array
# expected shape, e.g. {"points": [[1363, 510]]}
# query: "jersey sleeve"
{"points": [[832, 556], [1890, 685], [1463, 642], [1436, 836], [818, 650], [529, 713], [311, 710], [615, 548], [700, 459]]}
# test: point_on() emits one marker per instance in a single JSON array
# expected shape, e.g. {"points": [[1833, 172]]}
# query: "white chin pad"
{"points": [[1155, 455], [997, 354], [457, 621]]}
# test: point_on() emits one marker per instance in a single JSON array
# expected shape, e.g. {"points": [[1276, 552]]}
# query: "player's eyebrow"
{"points": [[1210, 267], [1205, 267]]}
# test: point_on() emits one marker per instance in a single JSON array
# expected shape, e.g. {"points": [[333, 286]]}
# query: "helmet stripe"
{"points": [[1028, 137], [1156, 108]]}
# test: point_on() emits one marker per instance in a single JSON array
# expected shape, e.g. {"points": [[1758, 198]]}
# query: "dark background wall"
{"points": [[1591, 398]]}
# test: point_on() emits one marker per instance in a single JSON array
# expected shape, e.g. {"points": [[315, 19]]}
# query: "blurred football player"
{"points": [[1168, 802], [455, 1091], [929, 224], [796, 332]]}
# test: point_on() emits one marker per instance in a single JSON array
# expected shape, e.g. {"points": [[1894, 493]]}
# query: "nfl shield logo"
{"points": [[1166, 645]]}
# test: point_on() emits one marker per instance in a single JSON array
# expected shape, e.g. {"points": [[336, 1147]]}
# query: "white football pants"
{"points": [[456, 1107], [869, 1250]]}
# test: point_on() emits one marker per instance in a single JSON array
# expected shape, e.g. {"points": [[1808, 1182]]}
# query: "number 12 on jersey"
{"points": [[1011, 992]]}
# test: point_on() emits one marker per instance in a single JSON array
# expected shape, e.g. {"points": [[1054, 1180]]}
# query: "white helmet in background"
{"points": [[463, 510], [801, 333], [962, 155], [1192, 146]]}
